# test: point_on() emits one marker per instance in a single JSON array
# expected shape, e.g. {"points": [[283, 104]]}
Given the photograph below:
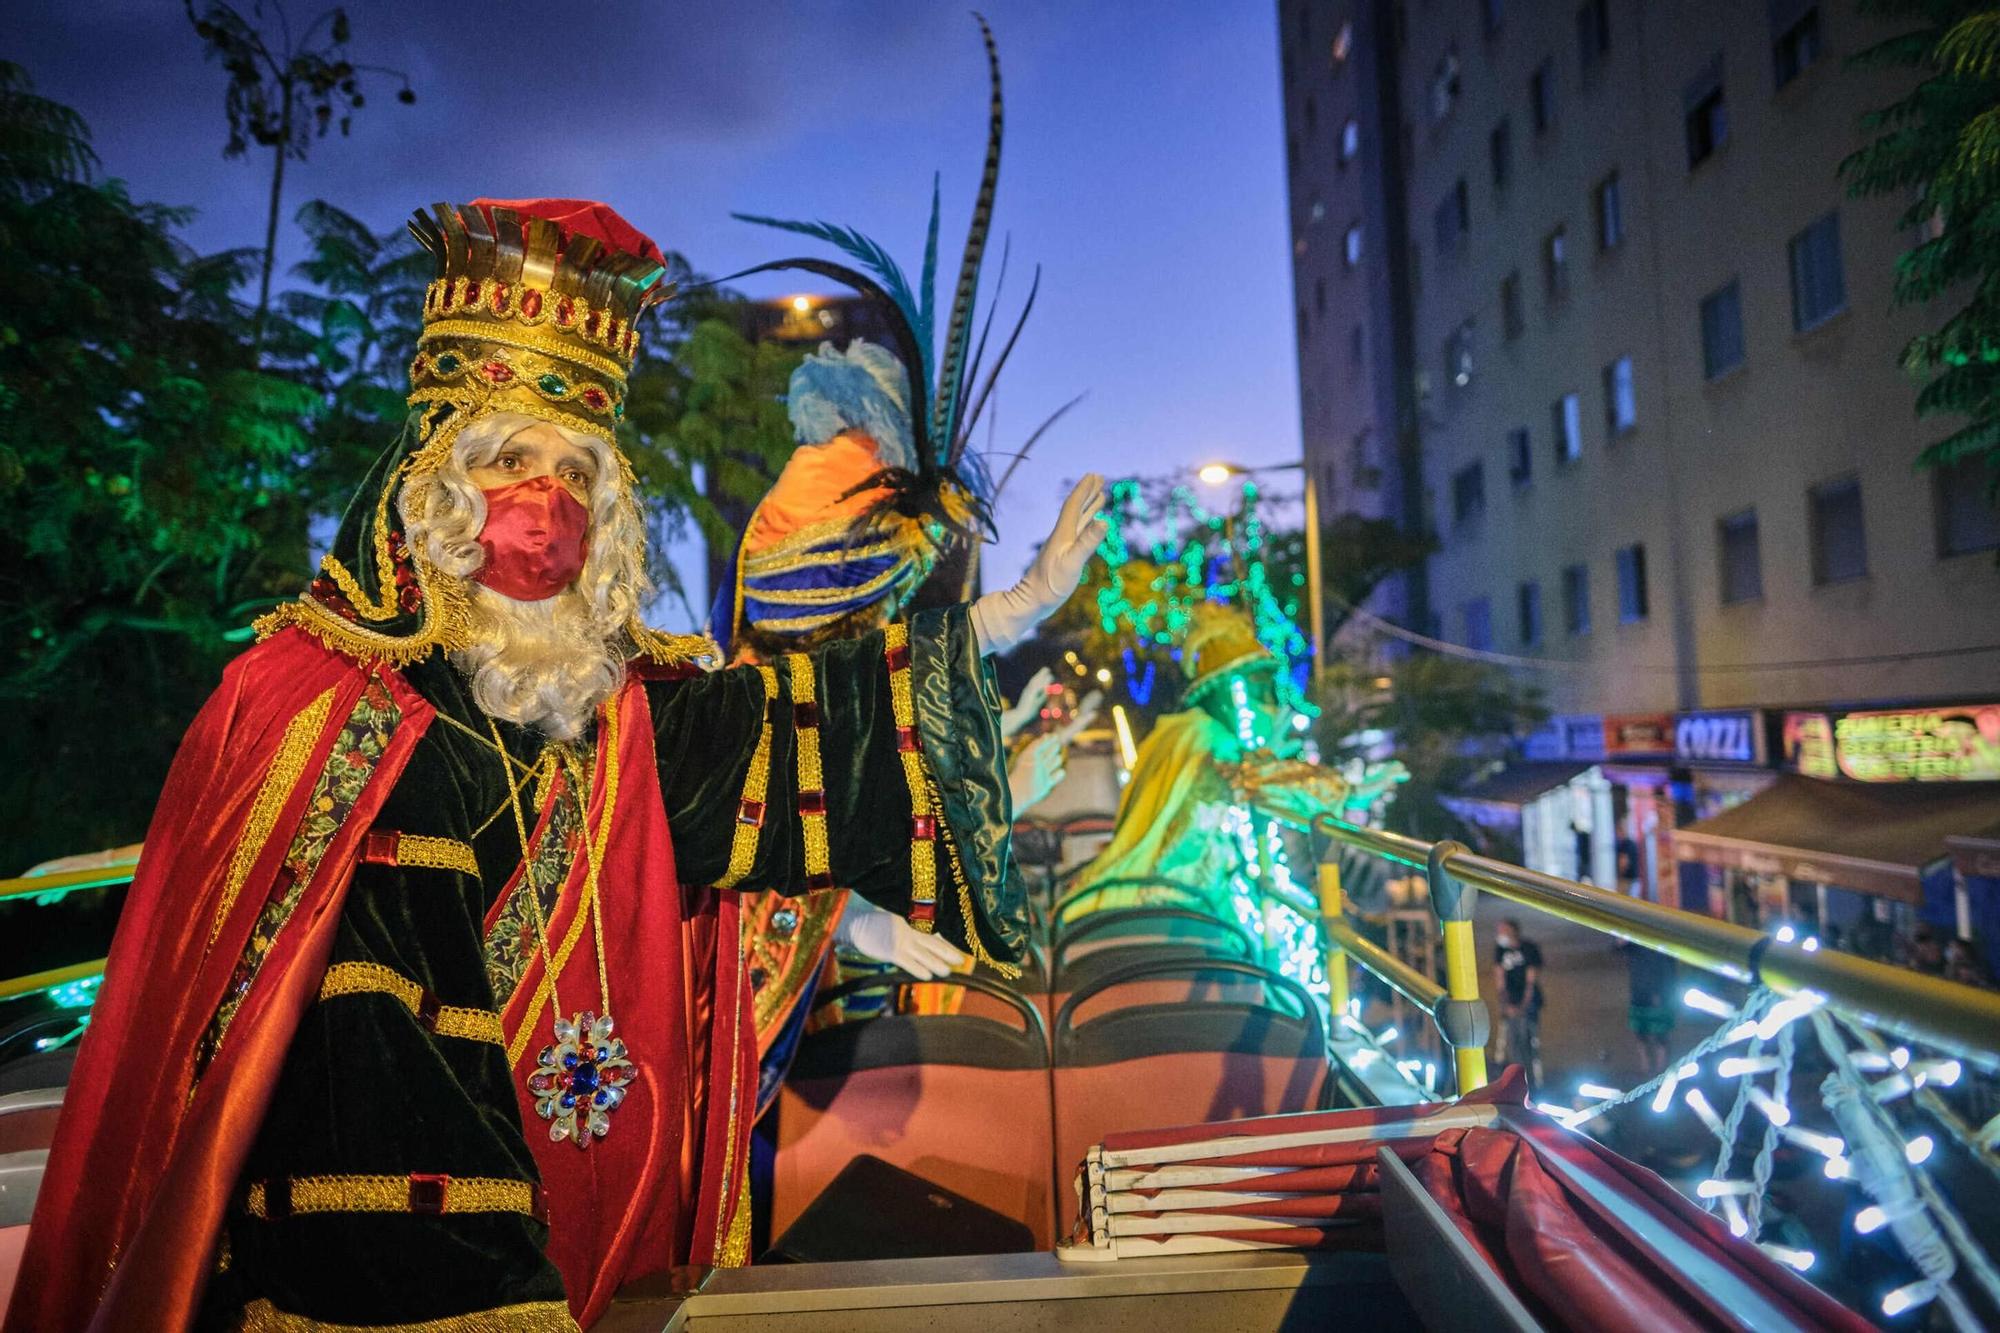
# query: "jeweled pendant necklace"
{"points": [[580, 1078]]}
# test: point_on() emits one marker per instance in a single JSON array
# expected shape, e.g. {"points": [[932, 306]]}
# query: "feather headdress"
{"points": [[945, 483]]}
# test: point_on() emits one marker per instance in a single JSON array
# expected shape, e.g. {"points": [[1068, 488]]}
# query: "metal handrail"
{"points": [[67, 881], [1958, 1018], [13, 988], [1405, 980]]}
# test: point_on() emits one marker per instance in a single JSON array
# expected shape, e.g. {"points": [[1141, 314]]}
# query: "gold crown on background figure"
{"points": [[531, 314], [1220, 642]]}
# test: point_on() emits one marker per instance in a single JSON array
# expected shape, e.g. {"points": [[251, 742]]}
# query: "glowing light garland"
{"points": [[1870, 1151], [1203, 557]]}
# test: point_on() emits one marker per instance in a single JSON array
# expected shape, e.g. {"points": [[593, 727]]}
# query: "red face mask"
{"points": [[535, 539]]}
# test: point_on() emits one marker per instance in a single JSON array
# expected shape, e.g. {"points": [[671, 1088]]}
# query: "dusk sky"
{"points": [[1143, 170]]}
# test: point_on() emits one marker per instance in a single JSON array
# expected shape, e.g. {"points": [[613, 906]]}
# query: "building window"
{"points": [[1839, 537], [1305, 329], [1479, 624], [1593, 34], [1512, 319], [1468, 494], [1350, 140], [1319, 296], [1542, 96], [1968, 519], [1797, 45], [1555, 264], [1621, 406], [1316, 211], [1366, 474], [1500, 153], [1351, 246], [1343, 45], [1610, 213], [1818, 290], [1458, 356], [1452, 218], [1444, 86], [1520, 457], [1722, 331], [1704, 115], [1528, 603], [1354, 345], [1493, 12], [1742, 565], [1567, 414], [1576, 599], [1631, 583]]}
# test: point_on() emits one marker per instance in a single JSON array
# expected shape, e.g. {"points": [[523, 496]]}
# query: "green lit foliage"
{"points": [[149, 469], [1938, 149]]}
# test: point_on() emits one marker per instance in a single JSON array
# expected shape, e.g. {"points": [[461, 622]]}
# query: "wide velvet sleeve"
{"points": [[875, 764]]}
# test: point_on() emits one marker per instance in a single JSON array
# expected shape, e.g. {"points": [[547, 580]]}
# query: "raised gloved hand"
{"points": [[1015, 720], [887, 938], [1003, 619], [1037, 770]]}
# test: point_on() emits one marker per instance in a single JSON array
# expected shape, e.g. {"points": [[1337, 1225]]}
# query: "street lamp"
{"points": [[1215, 474]]}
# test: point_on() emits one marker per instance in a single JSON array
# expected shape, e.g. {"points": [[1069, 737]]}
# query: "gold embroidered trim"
{"points": [[756, 788], [557, 347], [427, 853], [448, 1020], [260, 1316], [812, 824], [302, 733], [607, 752], [391, 1194], [923, 852], [735, 1250], [973, 944]]}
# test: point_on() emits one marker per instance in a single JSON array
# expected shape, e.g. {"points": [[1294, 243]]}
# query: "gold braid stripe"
{"points": [[811, 779], [447, 1020], [756, 788], [923, 853], [607, 750], [427, 853], [260, 1316], [391, 1194], [972, 941], [294, 748]]}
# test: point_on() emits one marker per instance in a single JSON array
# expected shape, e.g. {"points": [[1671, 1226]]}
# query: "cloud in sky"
{"points": [[1144, 170]]}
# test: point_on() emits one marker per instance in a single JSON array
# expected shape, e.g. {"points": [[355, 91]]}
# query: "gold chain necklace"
{"points": [[580, 1078]]}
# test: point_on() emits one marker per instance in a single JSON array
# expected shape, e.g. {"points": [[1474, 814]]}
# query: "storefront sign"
{"points": [[1639, 735], [1583, 736], [1957, 744], [1545, 742], [1733, 737]]}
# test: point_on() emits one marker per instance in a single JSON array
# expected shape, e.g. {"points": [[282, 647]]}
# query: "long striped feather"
{"points": [[958, 331]]}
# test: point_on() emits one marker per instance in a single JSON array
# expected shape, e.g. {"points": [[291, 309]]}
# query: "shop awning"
{"points": [[1501, 796], [1870, 837]]}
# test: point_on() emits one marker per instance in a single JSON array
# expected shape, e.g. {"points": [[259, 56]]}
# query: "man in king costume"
{"points": [[427, 1007]]}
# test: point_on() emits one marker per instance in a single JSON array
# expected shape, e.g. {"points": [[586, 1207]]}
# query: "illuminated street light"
{"points": [[802, 304], [1214, 474]]}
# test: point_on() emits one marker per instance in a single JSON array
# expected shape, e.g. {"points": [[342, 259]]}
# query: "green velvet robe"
{"points": [[368, 1090]]}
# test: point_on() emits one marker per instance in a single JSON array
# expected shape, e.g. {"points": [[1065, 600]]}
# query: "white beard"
{"points": [[540, 664]]}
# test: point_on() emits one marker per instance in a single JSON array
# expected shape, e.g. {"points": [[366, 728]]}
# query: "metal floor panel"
{"points": [[1014, 1293]]}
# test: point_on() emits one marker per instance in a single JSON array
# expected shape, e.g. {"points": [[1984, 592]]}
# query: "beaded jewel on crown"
{"points": [[527, 316]]}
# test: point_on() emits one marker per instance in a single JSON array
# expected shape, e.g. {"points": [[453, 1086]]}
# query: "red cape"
{"points": [[142, 1171]]}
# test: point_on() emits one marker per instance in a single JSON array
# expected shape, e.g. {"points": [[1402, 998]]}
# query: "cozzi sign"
{"points": [[1732, 737]]}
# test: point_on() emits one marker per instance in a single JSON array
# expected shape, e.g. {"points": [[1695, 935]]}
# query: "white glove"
{"points": [[1036, 771], [887, 938], [1013, 721], [1003, 619]]}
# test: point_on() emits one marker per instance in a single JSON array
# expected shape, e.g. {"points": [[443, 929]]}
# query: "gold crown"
{"points": [[1220, 642], [526, 317]]}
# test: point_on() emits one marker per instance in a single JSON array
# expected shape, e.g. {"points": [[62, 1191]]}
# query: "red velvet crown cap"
{"points": [[584, 217]]}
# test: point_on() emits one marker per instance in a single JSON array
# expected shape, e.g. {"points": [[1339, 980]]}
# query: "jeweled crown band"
{"points": [[469, 299]]}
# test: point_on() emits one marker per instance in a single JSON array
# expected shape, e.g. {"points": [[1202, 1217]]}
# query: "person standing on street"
{"points": [[1517, 976], [1651, 1012]]}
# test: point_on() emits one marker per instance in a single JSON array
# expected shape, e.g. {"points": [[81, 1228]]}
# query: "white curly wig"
{"points": [[545, 664]]}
